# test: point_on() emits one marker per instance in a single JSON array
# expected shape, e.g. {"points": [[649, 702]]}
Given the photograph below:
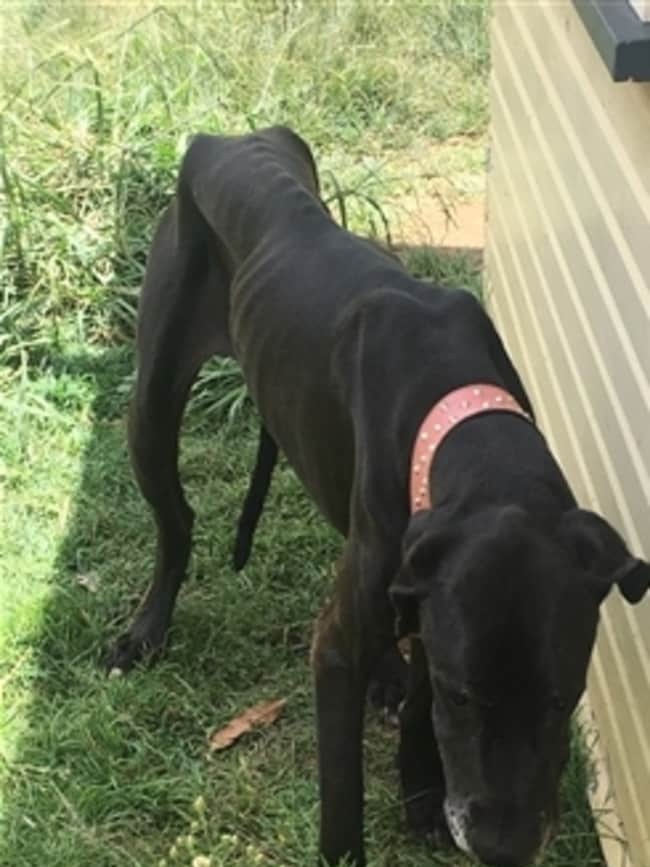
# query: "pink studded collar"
{"points": [[449, 412]]}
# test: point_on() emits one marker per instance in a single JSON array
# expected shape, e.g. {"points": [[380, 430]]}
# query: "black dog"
{"points": [[344, 353]]}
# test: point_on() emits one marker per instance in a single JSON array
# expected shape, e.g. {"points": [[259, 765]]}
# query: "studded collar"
{"points": [[448, 413]]}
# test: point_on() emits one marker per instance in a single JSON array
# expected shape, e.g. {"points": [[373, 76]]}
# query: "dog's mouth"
{"points": [[458, 819]]}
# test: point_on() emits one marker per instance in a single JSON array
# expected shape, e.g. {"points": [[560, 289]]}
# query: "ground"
{"points": [[97, 104]]}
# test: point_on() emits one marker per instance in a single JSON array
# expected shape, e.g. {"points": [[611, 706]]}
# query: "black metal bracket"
{"points": [[622, 39]]}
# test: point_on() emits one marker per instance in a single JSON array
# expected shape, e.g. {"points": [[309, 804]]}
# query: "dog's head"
{"points": [[507, 614]]}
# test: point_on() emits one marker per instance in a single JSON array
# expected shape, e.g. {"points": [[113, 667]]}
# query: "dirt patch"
{"points": [[431, 221], [441, 202]]}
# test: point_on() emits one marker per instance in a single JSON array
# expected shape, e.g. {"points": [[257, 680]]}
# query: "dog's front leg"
{"points": [[421, 773], [346, 649], [340, 700]]}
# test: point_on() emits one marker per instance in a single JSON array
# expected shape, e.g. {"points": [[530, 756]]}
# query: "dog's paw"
{"points": [[136, 645], [386, 698], [388, 686], [426, 818]]}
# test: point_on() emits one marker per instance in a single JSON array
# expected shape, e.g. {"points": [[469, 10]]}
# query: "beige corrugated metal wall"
{"points": [[568, 258]]}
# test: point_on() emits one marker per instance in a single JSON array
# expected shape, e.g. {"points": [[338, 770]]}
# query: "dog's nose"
{"points": [[500, 836], [501, 857]]}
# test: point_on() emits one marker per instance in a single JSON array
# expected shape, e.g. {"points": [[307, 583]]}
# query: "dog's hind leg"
{"points": [[182, 321], [267, 456]]}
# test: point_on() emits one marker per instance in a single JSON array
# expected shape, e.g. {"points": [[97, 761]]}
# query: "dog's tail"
{"points": [[267, 457]]}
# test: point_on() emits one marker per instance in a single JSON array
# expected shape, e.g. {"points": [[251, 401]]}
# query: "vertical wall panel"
{"points": [[568, 262]]}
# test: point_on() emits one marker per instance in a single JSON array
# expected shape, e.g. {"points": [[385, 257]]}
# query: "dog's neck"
{"points": [[441, 420]]}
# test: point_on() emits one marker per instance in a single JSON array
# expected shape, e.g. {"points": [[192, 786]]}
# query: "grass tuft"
{"points": [[98, 102]]}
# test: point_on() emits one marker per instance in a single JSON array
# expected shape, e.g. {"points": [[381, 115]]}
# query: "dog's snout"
{"points": [[503, 835], [500, 857]]}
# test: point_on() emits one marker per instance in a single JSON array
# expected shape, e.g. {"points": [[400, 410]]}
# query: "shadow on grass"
{"points": [[115, 772], [106, 772]]}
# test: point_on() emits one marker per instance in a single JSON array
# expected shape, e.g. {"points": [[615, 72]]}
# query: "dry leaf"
{"points": [[263, 714]]}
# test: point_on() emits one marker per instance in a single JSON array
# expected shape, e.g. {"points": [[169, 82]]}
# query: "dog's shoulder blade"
{"points": [[374, 327], [374, 309]]}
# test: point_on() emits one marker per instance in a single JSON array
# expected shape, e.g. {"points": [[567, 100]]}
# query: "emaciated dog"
{"points": [[399, 409]]}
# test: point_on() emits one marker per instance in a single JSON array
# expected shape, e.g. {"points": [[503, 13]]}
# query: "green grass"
{"points": [[96, 105], [108, 772]]}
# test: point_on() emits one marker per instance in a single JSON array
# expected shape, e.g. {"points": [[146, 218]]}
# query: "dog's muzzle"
{"points": [[498, 834]]}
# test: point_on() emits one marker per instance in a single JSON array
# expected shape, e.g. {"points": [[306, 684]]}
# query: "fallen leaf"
{"points": [[263, 714]]}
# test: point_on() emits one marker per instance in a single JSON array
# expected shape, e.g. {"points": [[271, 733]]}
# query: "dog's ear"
{"points": [[426, 536], [432, 537], [602, 553]]}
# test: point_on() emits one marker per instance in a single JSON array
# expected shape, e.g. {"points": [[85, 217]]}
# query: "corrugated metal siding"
{"points": [[569, 285]]}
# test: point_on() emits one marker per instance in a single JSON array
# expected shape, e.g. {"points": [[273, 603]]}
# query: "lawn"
{"points": [[97, 103]]}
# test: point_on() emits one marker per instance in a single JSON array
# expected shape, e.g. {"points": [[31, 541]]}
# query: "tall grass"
{"points": [[98, 102]]}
